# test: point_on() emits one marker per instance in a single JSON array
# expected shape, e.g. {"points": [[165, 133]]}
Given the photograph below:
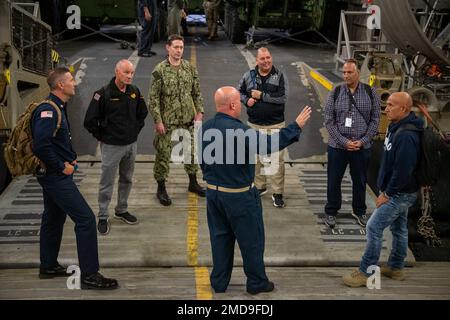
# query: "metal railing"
{"points": [[32, 39]]}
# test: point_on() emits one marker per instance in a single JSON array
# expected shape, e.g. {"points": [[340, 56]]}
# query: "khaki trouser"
{"points": [[277, 179], [212, 16]]}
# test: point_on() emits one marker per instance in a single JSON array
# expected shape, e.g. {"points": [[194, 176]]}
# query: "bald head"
{"points": [[405, 99], [124, 73], [124, 64], [227, 100], [398, 106]]}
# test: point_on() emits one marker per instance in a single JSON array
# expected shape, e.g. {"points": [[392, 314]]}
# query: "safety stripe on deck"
{"points": [[346, 230], [202, 283], [321, 79], [20, 222]]}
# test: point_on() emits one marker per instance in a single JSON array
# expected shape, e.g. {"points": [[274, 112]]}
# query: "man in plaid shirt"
{"points": [[352, 115]]}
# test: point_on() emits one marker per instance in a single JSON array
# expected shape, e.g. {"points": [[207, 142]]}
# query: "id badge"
{"points": [[348, 122]]}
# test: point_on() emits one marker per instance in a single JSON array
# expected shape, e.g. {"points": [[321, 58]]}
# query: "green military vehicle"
{"points": [[25, 59], [95, 13], [294, 15]]}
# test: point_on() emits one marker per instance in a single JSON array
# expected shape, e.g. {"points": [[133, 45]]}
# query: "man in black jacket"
{"points": [[264, 92], [115, 117]]}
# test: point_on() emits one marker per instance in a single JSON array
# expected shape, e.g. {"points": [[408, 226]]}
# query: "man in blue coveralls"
{"points": [[61, 196], [234, 207]]}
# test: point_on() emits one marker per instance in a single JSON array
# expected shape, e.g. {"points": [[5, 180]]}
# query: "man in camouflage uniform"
{"points": [[212, 15], [175, 102]]}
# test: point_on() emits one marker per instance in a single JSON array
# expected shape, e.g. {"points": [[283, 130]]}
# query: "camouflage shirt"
{"points": [[174, 95]]}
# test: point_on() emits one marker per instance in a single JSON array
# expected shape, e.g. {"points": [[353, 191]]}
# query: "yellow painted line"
{"points": [[192, 230], [321, 79], [202, 283], [193, 52]]}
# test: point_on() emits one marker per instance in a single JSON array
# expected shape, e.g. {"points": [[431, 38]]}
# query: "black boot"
{"points": [[162, 195], [195, 187]]}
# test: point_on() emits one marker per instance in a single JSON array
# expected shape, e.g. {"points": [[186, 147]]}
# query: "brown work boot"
{"points": [[394, 274], [355, 279]]}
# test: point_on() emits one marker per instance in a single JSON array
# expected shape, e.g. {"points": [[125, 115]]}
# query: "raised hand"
{"points": [[304, 116]]}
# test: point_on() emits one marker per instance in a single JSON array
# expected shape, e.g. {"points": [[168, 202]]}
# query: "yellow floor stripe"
{"points": [[321, 79], [192, 230], [193, 52], [202, 284]]}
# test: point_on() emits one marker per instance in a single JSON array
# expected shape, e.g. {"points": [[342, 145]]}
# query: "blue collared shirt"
{"points": [[237, 174], [365, 117]]}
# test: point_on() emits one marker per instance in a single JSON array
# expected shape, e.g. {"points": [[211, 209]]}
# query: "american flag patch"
{"points": [[46, 114], [96, 96]]}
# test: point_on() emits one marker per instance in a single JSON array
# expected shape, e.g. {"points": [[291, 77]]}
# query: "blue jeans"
{"points": [[394, 213], [338, 159]]}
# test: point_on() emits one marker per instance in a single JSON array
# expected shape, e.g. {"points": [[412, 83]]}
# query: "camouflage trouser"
{"points": [[163, 146], [212, 17], [174, 21]]}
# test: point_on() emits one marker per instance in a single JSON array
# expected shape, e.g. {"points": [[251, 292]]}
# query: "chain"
{"points": [[425, 225]]}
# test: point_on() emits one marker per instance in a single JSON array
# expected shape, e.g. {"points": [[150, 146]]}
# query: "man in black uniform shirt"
{"points": [[61, 196]]}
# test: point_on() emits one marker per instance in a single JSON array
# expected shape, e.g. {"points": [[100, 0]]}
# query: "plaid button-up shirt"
{"points": [[365, 118]]}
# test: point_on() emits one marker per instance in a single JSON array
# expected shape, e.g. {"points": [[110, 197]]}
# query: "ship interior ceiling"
{"points": [[419, 64]]}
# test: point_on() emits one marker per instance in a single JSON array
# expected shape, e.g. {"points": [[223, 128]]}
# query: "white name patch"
{"points": [[348, 122]]}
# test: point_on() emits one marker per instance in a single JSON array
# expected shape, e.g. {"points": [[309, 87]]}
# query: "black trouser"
{"points": [[61, 198], [146, 34], [338, 159]]}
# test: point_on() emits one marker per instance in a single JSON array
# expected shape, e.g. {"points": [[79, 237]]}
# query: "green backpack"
{"points": [[18, 149]]}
